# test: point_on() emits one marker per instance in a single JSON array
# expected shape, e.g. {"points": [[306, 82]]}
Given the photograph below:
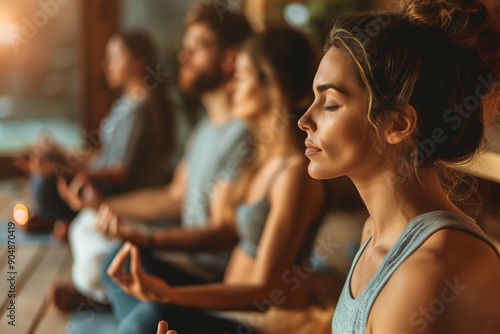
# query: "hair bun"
{"points": [[457, 17]]}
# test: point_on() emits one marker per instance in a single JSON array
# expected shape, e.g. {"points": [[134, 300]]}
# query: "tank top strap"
{"points": [[414, 236]]}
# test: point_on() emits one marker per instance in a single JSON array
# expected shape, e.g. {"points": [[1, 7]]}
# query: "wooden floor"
{"points": [[37, 267]]}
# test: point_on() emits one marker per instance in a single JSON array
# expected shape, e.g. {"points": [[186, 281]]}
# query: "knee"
{"points": [[46, 198], [44, 191], [128, 327], [143, 319], [41, 185]]}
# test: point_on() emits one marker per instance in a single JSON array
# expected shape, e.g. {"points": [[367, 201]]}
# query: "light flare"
{"points": [[20, 214]]}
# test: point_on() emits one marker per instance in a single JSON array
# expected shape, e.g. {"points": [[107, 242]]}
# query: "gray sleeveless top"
{"points": [[251, 219], [351, 315]]}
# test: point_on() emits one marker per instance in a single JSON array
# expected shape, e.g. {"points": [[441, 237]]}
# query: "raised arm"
{"points": [[113, 174], [220, 234]]}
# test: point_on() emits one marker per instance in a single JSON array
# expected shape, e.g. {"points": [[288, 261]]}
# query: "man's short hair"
{"points": [[230, 26]]}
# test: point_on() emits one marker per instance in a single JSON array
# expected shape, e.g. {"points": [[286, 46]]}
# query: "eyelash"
{"points": [[331, 108]]}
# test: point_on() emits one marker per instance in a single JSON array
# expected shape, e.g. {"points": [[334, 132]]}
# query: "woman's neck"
{"points": [[392, 204], [135, 90]]}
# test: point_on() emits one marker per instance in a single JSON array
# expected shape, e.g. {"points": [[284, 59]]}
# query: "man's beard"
{"points": [[198, 83]]}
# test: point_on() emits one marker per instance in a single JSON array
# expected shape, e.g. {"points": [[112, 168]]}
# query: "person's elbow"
{"points": [[120, 175], [226, 237]]}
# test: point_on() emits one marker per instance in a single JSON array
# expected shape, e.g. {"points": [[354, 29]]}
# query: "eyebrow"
{"points": [[323, 87]]}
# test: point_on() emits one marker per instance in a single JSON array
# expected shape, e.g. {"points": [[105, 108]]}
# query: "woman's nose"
{"points": [[305, 122]]}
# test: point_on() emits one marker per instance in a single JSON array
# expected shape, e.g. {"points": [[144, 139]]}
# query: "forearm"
{"points": [[88, 159], [219, 296], [210, 238], [146, 204], [110, 175]]}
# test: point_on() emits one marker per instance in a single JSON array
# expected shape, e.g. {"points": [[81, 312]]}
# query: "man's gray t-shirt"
{"points": [[216, 155], [133, 137]]}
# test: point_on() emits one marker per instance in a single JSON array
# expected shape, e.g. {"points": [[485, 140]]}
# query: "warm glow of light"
{"points": [[8, 33], [20, 214], [8, 29]]}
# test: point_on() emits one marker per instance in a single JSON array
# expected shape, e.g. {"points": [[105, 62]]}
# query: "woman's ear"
{"points": [[402, 125]]}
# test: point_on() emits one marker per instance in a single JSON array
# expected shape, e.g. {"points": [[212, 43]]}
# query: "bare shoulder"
{"points": [[298, 163], [295, 175], [450, 284], [461, 253], [295, 188]]}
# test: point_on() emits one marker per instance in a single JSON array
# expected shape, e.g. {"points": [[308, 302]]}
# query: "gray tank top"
{"points": [[251, 220], [351, 315]]}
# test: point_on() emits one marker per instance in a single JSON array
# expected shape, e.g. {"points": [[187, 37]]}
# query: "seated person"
{"points": [[138, 135], [276, 209], [200, 182]]}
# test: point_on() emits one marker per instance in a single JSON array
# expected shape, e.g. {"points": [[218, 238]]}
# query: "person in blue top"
{"points": [[137, 135], [398, 97]]}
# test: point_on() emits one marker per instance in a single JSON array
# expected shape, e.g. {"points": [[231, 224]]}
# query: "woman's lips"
{"points": [[311, 149]]}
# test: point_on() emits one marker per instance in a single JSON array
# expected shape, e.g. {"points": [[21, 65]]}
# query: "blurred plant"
{"points": [[324, 12]]}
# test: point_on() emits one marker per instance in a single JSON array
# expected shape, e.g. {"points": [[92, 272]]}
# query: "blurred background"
{"points": [[40, 72], [51, 53]]}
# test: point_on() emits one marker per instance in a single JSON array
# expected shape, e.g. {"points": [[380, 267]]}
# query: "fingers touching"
{"points": [[117, 270], [163, 328]]}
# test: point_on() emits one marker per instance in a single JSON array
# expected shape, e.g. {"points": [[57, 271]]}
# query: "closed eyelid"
{"points": [[331, 105]]}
